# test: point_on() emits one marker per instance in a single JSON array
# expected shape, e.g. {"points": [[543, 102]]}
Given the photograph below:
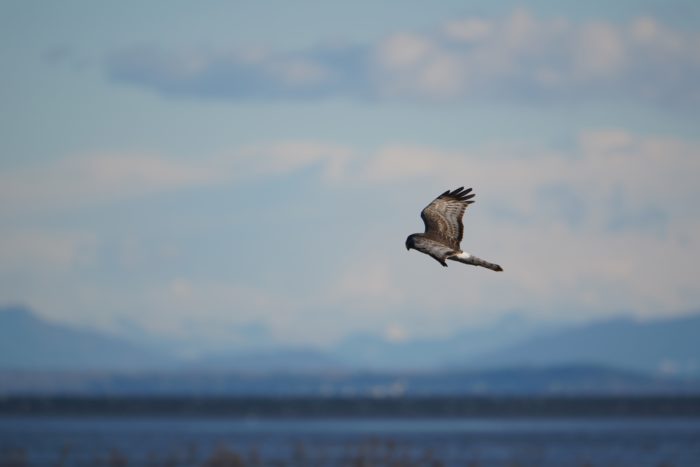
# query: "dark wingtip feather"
{"points": [[462, 194], [459, 194]]}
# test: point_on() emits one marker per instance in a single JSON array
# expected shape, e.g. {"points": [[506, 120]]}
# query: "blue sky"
{"points": [[196, 170]]}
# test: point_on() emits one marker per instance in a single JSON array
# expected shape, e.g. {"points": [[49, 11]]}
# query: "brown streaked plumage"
{"points": [[444, 230]]}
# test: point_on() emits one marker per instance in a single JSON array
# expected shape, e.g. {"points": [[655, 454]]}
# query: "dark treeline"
{"points": [[296, 407]]}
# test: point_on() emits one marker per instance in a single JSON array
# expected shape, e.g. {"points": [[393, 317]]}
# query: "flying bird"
{"points": [[444, 229]]}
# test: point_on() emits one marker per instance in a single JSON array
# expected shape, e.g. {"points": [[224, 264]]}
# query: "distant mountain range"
{"points": [[29, 342], [668, 346], [659, 347]]}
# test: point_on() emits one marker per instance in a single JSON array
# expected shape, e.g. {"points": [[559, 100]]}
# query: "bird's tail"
{"points": [[466, 258]]}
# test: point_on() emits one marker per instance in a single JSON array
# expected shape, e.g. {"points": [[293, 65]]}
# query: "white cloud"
{"points": [[521, 29], [395, 333], [404, 51], [517, 57], [288, 156], [599, 52], [395, 162], [85, 180], [468, 30], [104, 178], [410, 64], [521, 56], [645, 29]]}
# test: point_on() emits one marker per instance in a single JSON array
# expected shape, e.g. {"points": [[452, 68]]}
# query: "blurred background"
{"points": [[194, 193]]}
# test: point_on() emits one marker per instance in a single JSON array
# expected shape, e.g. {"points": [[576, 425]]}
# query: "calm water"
{"points": [[493, 442]]}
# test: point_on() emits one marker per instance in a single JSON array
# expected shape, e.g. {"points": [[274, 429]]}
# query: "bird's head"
{"points": [[410, 242]]}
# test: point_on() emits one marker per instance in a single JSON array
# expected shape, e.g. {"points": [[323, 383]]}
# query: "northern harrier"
{"points": [[444, 229]]}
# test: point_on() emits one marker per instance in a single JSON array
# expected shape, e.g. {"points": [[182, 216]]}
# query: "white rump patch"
{"points": [[464, 255]]}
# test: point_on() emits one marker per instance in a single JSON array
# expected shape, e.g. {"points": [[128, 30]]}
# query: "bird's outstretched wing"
{"points": [[443, 217]]}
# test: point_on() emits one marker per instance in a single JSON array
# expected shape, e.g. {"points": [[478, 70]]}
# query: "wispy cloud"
{"points": [[517, 57], [254, 73], [97, 178], [288, 156], [103, 178]]}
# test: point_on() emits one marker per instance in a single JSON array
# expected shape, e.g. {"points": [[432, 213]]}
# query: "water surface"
{"points": [[114, 441]]}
